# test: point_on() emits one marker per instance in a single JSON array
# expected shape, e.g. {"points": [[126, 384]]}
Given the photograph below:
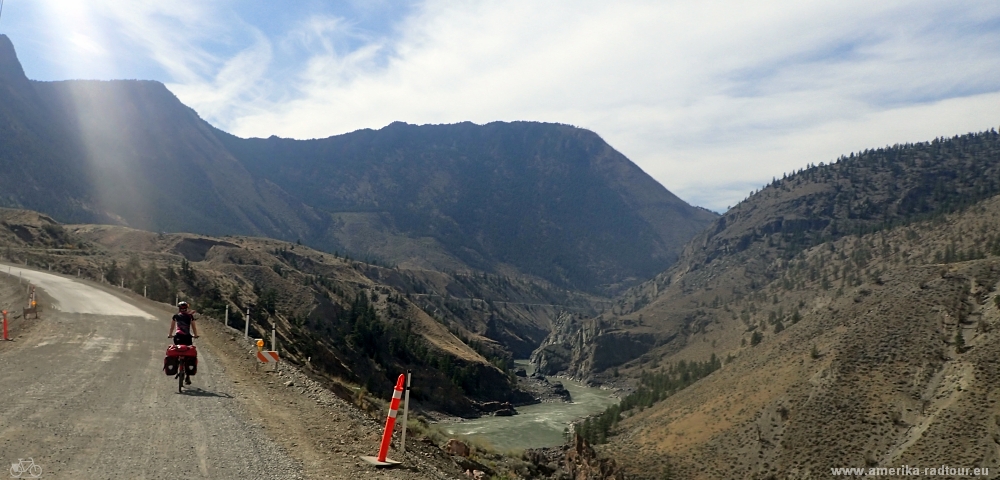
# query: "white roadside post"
{"points": [[143, 291], [246, 325], [274, 346], [227, 314], [406, 408]]}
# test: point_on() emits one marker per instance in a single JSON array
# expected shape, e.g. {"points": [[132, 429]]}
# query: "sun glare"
{"points": [[79, 38], [102, 120]]}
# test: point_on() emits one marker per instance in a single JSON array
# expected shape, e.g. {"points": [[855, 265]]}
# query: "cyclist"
{"points": [[183, 329]]}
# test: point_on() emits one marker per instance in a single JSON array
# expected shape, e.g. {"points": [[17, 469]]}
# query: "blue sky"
{"points": [[712, 98]]}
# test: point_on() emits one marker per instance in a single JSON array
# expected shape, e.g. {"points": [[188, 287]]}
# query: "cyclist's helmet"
{"points": [[182, 305]]}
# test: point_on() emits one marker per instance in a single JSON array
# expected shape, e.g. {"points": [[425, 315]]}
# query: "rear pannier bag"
{"points": [[172, 361], [170, 365]]}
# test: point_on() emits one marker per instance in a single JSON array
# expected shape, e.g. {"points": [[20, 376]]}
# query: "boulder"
{"points": [[560, 390], [582, 463], [457, 448]]}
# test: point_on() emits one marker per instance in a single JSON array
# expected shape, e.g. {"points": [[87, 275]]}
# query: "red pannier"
{"points": [[170, 365], [172, 361], [182, 351]]}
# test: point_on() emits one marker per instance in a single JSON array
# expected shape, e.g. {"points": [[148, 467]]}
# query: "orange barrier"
{"points": [[268, 356], [390, 423]]}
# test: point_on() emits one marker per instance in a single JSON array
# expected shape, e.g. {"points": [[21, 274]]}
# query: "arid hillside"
{"points": [[755, 242], [895, 366], [847, 339]]}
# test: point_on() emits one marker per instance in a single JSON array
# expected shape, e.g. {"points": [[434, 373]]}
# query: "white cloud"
{"points": [[705, 96]]}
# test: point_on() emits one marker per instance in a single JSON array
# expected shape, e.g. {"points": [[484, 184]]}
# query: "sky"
{"points": [[712, 98]]}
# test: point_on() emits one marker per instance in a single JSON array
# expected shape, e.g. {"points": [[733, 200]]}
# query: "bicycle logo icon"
{"points": [[25, 469]]}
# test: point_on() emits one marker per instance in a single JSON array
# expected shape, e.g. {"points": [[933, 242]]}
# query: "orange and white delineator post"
{"points": [[390, 423]]}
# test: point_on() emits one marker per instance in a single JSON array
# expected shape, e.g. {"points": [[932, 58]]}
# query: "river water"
{"points": [[540, 425]]}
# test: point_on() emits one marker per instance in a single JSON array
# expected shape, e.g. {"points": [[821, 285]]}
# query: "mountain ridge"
{"points": [[562, 206]]}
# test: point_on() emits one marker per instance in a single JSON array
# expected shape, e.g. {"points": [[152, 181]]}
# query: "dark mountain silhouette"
{"points": [[552, 201], [127, 152]]}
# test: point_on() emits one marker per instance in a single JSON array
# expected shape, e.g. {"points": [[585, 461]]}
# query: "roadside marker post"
{"points": [[406, 408], [227, 314], [274, 346], [246, 325], [32, 307], [390, 422], [5, 337], [260, 348]]}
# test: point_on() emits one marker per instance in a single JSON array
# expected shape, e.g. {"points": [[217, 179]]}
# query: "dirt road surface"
{"points": [[84, 397]]}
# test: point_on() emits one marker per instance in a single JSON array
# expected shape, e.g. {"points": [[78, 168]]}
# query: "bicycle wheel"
{"points": [[35, 471], [181, 371]]}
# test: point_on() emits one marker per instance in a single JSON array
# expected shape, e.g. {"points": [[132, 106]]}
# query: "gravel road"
{"points": [[84, 396]]}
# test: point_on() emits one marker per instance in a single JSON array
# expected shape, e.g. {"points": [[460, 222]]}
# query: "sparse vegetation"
{"points": [[653, 388]]}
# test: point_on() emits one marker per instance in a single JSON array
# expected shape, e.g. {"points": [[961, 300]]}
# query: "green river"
{"points": [[540, 425]]}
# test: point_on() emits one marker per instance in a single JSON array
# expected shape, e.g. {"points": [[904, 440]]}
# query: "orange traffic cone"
{"points": [[390, 422]]}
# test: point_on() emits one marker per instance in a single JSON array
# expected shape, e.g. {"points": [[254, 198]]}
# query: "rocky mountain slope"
{"points": [[752, 244], [894, 363], [854, 308], [546, 200]]}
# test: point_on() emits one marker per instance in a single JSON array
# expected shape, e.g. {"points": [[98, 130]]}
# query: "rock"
{"points": [[289, 383], [521, 372], [582, 462], [499, 409], [473, 466], [507, 412], [457, 448], [559, 389]]}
